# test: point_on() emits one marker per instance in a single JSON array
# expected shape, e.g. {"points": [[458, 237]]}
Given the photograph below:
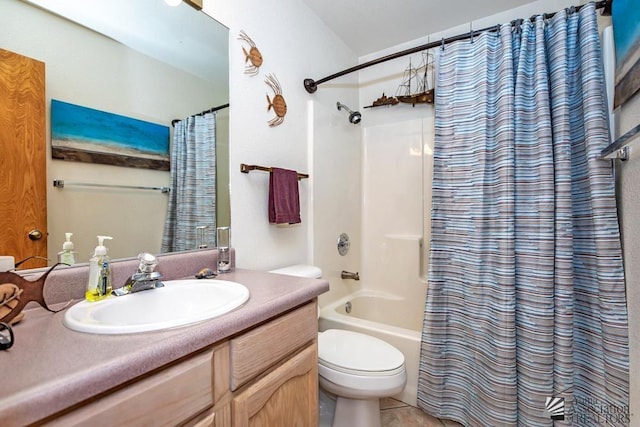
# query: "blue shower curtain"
{"points": [[192, 201], [525, 320]]}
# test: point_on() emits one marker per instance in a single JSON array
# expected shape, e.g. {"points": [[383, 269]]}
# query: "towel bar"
{"points": [[60, 183], [619, 146], [247, 168]]}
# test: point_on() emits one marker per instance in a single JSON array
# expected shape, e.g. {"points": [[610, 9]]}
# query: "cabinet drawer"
{"points": [[165, 398], [252, 353]]}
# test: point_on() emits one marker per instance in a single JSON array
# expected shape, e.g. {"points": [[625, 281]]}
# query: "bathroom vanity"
{"points": [[254, 365]]}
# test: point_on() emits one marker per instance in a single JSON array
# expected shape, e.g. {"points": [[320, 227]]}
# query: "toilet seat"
{"points": [[359, 366], [357, 354]]}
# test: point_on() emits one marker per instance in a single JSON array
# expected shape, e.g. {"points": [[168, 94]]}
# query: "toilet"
{"points": [[358, 369]]}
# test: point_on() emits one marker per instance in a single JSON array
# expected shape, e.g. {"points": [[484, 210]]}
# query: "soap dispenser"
{"points": [[67, 255], [99, 283]]}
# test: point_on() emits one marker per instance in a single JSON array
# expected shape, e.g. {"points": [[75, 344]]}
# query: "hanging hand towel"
{"points": [[284, 200]]}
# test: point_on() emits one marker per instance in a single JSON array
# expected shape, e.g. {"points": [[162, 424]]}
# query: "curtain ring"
{"points": [[519, 24], [442, 45], [471, 31]]}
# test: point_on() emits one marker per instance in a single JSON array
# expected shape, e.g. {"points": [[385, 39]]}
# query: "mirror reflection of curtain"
{"points": [[192, 202]]}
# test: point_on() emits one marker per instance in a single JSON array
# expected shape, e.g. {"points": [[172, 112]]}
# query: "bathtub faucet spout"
{"points": [[349, 275]]}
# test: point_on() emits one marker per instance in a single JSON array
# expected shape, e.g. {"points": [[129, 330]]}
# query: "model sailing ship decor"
{"points": [[383, 100], [417, 83], [417, 86]]}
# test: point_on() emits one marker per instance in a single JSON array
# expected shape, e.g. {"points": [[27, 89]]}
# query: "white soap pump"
{"points": [[67, 255], [99, 283]]}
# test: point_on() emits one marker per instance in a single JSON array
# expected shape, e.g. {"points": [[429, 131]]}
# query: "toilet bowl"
{"points": [[358, 369]]}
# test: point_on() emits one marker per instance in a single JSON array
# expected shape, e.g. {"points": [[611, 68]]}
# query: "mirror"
{"points": [[141, 59]]}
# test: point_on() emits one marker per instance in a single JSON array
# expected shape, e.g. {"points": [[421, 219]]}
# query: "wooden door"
{"points": [[23, 197], [287, 396]]}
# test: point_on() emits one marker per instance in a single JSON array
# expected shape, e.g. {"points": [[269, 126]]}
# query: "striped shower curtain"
{"points": [[192, 201], [525, 320]]}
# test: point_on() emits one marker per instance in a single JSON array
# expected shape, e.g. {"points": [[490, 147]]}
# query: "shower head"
{"points": [[354, 116]]}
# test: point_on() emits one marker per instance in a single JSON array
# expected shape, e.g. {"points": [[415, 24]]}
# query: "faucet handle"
{"points": [[147, 262]]}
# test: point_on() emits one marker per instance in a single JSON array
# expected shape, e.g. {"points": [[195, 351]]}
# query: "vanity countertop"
{"points": [[50, 367]]}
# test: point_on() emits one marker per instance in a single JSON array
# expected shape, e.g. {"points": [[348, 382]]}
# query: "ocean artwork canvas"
{"points": [[626, 33], [87, 135]]}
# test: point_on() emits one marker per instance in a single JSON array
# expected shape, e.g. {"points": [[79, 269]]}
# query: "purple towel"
{"points": [[284, 200]]}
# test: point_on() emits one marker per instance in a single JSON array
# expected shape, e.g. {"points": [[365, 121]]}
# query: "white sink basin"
{"points": [[178, 303]]}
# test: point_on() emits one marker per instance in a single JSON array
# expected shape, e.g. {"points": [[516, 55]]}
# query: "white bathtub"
{"points": [[384, 316]]}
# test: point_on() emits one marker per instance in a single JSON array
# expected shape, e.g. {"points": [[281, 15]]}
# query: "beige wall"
{"points": [[85, 68], [628, 188]]}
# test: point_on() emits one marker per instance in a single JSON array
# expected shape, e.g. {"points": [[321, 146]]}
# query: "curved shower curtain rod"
{"points": [[311, 85]]}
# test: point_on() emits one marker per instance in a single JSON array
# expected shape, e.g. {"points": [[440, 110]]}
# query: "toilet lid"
{"points": [[351, 351]]}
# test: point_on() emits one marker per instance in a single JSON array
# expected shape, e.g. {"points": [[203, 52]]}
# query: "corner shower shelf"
{"points": [[620, 145]]}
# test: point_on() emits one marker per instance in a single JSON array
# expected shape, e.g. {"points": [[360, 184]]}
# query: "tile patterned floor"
{"points": [[394, 413]]}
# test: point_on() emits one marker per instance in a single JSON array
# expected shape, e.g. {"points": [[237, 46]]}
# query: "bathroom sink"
{"points": [[178, 303]]}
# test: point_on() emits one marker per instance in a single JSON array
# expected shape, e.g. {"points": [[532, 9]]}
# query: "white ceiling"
{"points": [[368, 26]]}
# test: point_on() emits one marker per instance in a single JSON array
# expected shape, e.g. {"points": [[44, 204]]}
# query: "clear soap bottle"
{"points": [[67, 255], [99, 283]]}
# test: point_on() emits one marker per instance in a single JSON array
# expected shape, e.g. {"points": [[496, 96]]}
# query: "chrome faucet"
{"points": [[143, 279], [349, 275]]}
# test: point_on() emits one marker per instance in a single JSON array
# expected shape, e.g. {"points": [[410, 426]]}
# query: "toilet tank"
{"points": [[300, 270]]}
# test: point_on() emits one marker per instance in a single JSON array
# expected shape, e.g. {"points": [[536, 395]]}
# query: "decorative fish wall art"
{"points": [[277, 103], [252, 57]]}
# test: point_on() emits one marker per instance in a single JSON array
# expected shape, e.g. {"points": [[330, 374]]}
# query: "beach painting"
{"points": [[626, 33], [86, 135]]}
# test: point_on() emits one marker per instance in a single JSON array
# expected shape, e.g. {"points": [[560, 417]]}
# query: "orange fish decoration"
{"points": [[277, 103], [253, 56]]}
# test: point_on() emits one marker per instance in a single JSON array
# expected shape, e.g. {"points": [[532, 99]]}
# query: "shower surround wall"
{"points": [[397, 160], [335, 160]]}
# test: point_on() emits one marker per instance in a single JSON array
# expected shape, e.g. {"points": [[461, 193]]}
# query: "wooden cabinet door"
{"points": [[23, 197], [285, 397]]}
